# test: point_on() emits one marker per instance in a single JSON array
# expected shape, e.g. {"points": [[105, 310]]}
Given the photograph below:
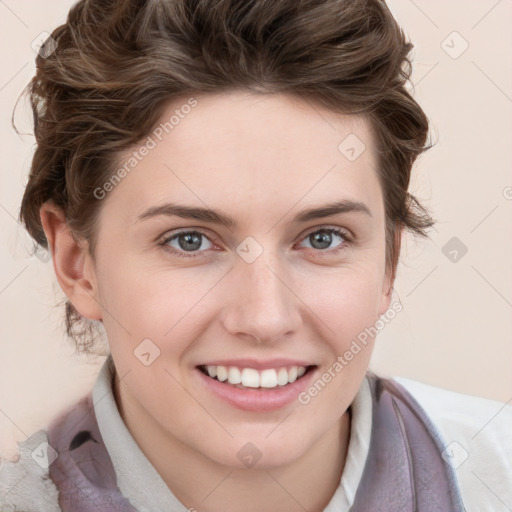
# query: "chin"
{"points": [[259, 454]]}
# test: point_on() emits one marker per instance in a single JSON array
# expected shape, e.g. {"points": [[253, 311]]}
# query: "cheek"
{"points": [[161, 303], [345, 303]]}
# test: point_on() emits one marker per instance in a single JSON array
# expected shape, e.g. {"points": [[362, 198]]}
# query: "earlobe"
{"points": [[385, 300], [77, 280]]}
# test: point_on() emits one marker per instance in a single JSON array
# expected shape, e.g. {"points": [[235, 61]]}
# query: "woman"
{"points": [[223, 186]]}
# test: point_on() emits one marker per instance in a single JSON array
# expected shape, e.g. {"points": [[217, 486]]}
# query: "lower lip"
{"points": [[258, 399]]}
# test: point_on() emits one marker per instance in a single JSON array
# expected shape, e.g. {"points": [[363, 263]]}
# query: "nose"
{"points": [[261, 303]]}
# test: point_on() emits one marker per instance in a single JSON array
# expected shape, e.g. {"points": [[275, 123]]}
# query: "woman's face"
{"points": [[272, 289]]}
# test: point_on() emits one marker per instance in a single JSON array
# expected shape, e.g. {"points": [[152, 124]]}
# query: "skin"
{"points": [[260, 159]]}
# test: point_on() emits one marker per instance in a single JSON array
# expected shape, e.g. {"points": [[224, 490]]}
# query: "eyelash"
{"points": [[347, 241]]}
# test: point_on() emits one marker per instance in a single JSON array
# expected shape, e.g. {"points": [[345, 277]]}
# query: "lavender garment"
{"points": [[83, 471], [404, 470]]}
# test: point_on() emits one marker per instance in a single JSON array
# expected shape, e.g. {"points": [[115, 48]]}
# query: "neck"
{"points": [[200, 483]]}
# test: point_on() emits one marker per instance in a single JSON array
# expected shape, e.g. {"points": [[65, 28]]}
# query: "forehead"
{"points": [[247, 149]]}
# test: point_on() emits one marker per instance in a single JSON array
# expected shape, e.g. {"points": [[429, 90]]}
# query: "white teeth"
{"points": [[234, 375], [222, 373], [268, 379], [251, 378], [282, 377]]}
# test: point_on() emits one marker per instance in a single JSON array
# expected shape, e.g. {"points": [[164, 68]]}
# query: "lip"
{"points": [[258, 365], [257, 400]]}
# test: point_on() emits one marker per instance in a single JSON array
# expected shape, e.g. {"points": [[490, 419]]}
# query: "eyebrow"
{"points": [[222, 219]]}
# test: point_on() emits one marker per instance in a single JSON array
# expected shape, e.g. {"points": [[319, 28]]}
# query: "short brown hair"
{"points": [[118, 63]]}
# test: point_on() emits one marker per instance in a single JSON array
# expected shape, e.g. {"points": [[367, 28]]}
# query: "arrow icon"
{"points": [[44, 455], [454, 249], [249, 249], [249, 454], [146, 352]]}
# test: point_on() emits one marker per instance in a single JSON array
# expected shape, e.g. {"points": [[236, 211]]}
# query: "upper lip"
{"points": [[257, 365]]}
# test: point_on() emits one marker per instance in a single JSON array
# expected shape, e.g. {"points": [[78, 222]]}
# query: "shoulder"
{"points": [[25, 485], [478, 436], [469, 418]]}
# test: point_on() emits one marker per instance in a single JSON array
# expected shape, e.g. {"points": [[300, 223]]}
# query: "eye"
{"points": [[322, 238], [187, 241]]}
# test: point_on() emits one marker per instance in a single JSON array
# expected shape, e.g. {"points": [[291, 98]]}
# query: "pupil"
{"points": [[323, 238], [191, 238]]}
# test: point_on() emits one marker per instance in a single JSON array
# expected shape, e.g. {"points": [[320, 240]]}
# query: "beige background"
{"points": [[455, 328]]}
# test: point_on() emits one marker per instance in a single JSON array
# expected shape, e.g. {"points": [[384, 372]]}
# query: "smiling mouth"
{"points": [[251, 379]]}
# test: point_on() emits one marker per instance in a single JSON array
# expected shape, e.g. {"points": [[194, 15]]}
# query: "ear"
{"points": [[72, 263], [390, 275]]}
